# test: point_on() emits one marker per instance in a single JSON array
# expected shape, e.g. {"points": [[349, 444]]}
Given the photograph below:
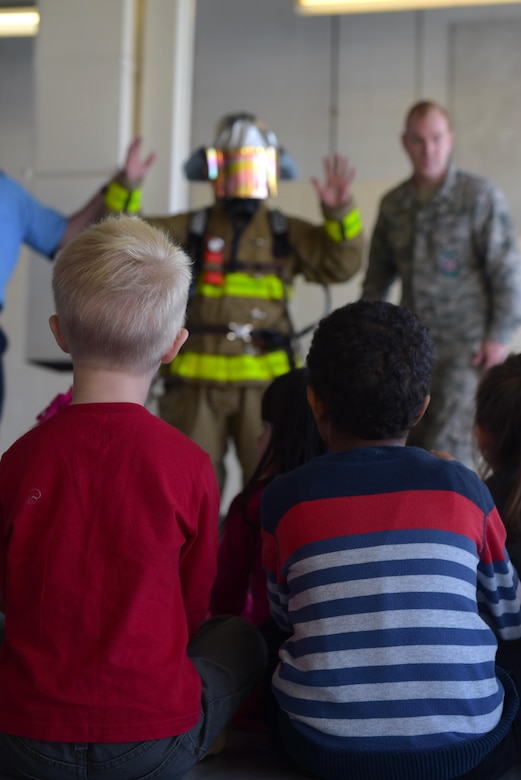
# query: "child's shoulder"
{"points": [[122, 423], [371, 470], [429, 473], [173, 436]]}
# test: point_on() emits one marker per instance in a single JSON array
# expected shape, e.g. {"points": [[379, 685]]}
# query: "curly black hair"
{"points": [[370, 363]]}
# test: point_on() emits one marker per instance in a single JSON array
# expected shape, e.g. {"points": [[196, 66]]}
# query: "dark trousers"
{"points": [[230, 656]]}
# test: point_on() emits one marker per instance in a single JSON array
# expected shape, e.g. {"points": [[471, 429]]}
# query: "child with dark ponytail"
{"points": [[289, 439], [498, 436]]}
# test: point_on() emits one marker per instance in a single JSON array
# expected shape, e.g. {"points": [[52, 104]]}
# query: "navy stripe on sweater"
{"points": [[382, 564]]}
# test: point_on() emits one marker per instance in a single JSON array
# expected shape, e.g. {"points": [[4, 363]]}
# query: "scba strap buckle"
{"points": [[240, 331]]}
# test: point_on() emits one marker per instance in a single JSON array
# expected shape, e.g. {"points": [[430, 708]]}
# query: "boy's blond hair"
{"points": [[120, 291]]}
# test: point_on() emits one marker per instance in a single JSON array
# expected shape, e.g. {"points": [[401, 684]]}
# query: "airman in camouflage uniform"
{"points": [[447, 236]]}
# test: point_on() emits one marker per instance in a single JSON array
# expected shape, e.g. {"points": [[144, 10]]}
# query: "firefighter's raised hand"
{"points": [[339, 175], [135, 168]]}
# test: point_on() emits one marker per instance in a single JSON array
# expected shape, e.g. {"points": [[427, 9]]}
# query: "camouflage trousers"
{"points": [[214, 417], [449, 420]]}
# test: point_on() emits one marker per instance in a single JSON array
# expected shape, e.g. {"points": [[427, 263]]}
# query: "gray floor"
{"points": [[246, 757], [514, 774]]}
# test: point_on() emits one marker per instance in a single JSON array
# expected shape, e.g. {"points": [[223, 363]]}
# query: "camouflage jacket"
{"points": [[456, 257]]}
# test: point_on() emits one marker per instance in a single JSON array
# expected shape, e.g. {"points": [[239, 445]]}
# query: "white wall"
{"points": [[28, 389], [261, 57], [258, 55], [66, 107]]}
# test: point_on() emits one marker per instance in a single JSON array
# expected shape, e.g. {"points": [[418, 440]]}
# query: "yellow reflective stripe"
{"points": [[334, 231], [229, 368], [352, 224], [134, 202], [241, 285], [118, 198], [346, 228]]}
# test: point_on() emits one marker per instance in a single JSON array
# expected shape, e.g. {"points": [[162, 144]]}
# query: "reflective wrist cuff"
{"points": [[344, 229], [118, 198]]}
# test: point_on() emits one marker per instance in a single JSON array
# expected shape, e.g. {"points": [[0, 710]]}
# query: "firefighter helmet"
{"points": [[245, 160]]}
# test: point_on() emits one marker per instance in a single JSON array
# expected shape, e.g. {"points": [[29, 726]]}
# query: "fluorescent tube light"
{"points": [[332, 7], [18, 22]]}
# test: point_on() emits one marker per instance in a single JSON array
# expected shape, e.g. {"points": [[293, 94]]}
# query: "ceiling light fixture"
{"points": [[19, 22], [332, 7]]}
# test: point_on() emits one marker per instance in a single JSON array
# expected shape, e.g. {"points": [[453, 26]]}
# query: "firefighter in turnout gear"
{"points": [[246, 258]]}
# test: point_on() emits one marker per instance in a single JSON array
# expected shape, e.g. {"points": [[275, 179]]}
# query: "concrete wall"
{"points": [[263, 58]]}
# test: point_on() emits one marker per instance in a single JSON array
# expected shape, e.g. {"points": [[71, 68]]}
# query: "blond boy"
{"points": [[108, 521]]}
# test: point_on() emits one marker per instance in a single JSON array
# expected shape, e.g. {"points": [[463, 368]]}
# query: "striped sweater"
{"points": [[388, 567]]}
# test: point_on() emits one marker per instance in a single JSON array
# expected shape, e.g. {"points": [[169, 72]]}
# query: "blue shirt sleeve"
{"points": [[24, 220]]}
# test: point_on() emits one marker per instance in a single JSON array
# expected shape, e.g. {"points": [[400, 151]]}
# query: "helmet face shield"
{"points": [[243, 172], [244, 161]]}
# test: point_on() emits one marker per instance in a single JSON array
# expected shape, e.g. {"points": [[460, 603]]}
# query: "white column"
{"points": [[166, 100], [103, 72], [85, 71], [85, 81]]}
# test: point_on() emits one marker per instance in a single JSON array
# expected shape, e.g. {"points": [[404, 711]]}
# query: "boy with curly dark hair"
{"points": [[388, 573]]}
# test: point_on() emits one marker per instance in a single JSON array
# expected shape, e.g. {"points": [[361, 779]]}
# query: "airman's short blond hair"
{"points": [[120, 292], [422, 108]]}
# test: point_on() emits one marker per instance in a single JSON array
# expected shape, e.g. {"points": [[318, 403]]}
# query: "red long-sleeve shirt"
{"points": [[108, 539]]}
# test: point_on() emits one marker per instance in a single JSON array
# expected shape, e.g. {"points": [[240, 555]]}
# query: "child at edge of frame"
{"points": [[497, 431], [108, 541], [388, 576]]}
